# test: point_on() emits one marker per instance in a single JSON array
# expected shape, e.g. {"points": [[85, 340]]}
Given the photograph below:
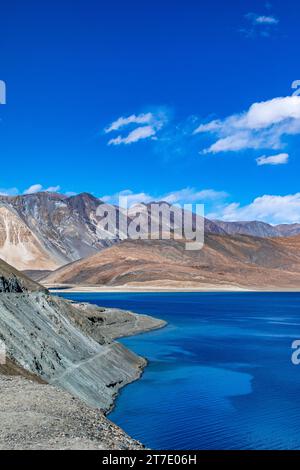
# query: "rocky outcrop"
{"points": [[114, 323]]}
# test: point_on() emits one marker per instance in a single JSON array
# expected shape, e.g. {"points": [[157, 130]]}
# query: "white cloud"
{"points": [[267, 113], [134, 136], [280, 159], [209, 127], [144, 118], [261, 127], [148, 126], [269, 20], [268, 208], [182, 196], [36, 188]]}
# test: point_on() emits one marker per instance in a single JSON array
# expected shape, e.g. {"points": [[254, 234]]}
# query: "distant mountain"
{"points": [[288, 230], [254, 228], [258, 229], [224, 262]]}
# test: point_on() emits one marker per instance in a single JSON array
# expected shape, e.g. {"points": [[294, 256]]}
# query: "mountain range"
{"points": [[54, 237], [47, 230]]}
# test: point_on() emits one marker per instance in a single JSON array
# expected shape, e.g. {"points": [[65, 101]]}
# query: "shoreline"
{"points": [[139, 328], [75, 289]]}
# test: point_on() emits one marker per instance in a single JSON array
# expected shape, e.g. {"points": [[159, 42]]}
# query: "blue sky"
{"points": [[184, 77]]}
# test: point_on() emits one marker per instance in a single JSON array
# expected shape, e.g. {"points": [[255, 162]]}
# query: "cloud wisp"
{"points": [[265, 20], [147, 125], [280, 159], [133, 119], [36, 188]]}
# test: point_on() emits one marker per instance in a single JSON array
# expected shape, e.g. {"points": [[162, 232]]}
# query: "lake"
{"points": [[220, 374]]}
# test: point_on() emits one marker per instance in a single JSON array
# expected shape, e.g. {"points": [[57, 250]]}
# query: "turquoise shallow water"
{"points": [[220, 374]]}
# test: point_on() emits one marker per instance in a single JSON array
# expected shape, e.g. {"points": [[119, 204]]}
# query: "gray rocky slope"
{"points": [[69, 346]]}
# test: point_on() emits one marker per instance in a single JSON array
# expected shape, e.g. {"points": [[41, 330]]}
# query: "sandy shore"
{"points": [[148, 288], [154, 288]]}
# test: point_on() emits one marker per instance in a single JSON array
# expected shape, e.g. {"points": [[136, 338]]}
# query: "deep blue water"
{"points": [[220, 374]]}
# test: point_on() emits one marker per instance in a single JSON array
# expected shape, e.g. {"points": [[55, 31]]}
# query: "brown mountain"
{"points": [[225, 261]]}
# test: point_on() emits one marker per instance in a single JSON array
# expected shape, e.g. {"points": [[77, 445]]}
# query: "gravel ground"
{"points": [[41, 416]]}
